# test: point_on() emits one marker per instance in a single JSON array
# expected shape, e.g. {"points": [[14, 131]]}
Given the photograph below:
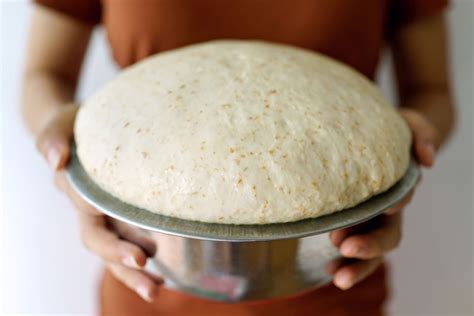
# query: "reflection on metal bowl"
{"points": [[235, 271]]}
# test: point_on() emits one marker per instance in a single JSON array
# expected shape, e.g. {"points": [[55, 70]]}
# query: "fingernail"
{"points": [[348, 250], [144, 293], [54, 157], [343, 281], [131, 262]]}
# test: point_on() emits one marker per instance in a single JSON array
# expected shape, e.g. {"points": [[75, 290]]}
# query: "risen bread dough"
{"points": [[241, 132]]}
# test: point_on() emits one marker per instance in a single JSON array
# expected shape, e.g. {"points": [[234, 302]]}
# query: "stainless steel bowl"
{"points": [[237, 271], [235, 262]]}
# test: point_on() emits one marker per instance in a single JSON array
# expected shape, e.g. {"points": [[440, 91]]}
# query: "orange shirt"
{"points": [[352, 31], [364, 299]]}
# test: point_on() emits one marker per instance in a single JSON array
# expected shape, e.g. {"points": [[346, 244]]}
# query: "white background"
{"points": [[46, 270]]}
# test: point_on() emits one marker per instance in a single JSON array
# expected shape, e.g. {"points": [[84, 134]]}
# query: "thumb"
{"points": [[54, 140], [424, 136]]}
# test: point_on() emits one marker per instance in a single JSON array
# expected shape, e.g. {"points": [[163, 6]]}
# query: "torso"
{"points": [[349, 30]]}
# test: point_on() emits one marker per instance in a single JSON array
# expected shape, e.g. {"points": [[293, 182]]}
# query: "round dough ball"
{"points": [[241, 132]]}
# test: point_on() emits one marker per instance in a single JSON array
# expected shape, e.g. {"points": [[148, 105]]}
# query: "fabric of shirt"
{"points": [[364, 299], [352, 31]]}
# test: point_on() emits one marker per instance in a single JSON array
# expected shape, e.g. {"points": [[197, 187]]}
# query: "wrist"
{"points": [[436, 107], [54, 112]]}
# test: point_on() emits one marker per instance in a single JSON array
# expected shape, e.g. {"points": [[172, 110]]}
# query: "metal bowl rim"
{"points": [[144, 219]]}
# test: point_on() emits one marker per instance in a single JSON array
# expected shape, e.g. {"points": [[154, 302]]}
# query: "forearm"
{"points": [[421, 67], [55, 50], [43, 93], [437, 107]]}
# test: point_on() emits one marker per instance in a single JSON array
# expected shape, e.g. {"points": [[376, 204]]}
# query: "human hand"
{"points": [[99, 234], [363, 246]]}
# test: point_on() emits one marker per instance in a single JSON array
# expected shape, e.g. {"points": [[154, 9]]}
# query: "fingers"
{"points": [[53, 141], [372, 238], [134, 235], [363, 246], [332, 266], [425, 153], [348, 275], [376, 242], [104, 243], [97, 237], [136, 280], [125, 259], [338, 236], [424, 136]]}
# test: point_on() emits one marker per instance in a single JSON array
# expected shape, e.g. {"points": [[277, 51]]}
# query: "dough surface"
{"points": [[241, 132]]}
